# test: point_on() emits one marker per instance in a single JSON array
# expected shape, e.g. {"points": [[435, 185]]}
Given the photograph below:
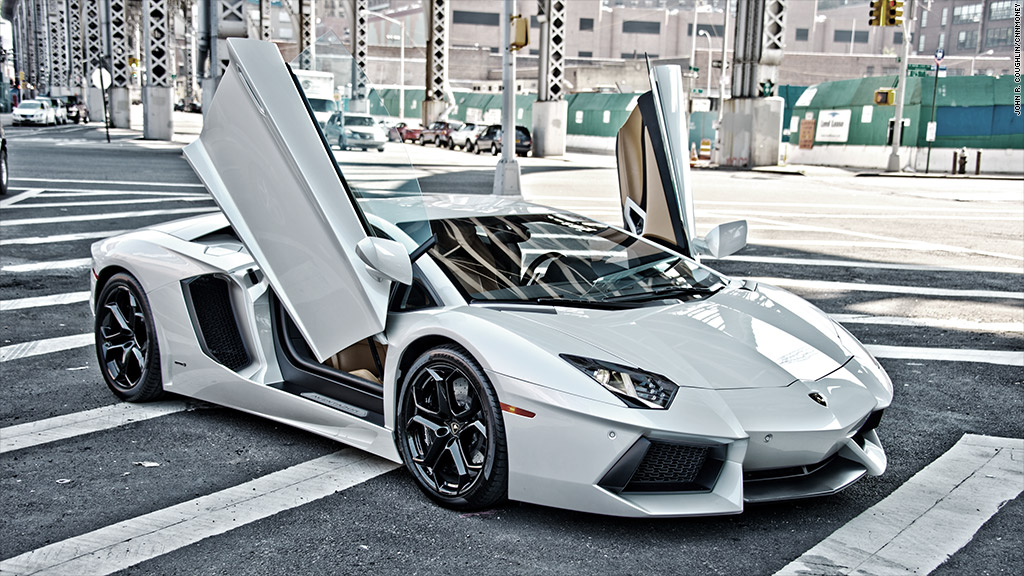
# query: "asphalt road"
{"points": [[908, 264]]}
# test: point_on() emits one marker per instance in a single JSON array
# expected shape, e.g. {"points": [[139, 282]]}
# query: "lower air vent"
{"points": [[657, 466], [213, 317]]}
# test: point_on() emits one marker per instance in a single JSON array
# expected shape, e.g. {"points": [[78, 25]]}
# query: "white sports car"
{"points": [[498, 349]]}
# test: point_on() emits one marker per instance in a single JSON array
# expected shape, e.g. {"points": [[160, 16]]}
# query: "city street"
{"points": [[925, 271]]}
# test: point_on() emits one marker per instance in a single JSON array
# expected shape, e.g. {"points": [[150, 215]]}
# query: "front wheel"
{"points": [[494, 149], [126, 345], [3, 172], [450, 431]]}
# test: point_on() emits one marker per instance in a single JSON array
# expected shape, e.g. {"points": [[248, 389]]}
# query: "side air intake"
{"points": [[213, 318]]}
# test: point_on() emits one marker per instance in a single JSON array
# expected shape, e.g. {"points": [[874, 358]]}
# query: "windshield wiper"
{"points": [[667, 292]]}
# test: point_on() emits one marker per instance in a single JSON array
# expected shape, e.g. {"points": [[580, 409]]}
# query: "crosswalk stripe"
{"points": [[46, 346], [819, 242], [1001, 357], [48, 265], [39, 432], [827, 216], [104, 216], [40, 301], [110, 182], [834, 206], [947, 323], [188, 198], [29, 193], [833, 262], [28, 240], [927, 519], [824, 285], [125, 544], [88, 192]]}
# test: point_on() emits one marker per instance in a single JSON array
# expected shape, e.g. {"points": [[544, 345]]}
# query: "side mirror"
{"points": [[385, 259], [723, 240]]}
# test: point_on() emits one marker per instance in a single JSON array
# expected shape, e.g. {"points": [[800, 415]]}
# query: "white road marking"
{"points": [[955, 209], [110, 182], [104, 216], [947, 323], [60, 238], [874, 265], [39, 301], [48, 265], [841, 232], [89, 192], [125, 544], [29, 193], [827, 216], [63, 427], [46, 346], [176, 198], [823, 285], [927, 519], [1000, 357], [801, 243]]}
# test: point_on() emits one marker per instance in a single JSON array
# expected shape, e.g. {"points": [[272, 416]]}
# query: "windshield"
{"points": [[358, 121], [559, 257], [322, 105], [29, 105]]}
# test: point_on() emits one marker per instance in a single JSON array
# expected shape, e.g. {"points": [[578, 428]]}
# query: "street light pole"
{"points": [[707, 36], [897, 125], [401, 59]]}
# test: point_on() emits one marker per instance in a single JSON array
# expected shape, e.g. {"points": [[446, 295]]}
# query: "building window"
{"points": [[924, 18], [956, 72], [920, 44], [897, 38], [586, 24], [476, 18], [715, 31], [842, 36], [860, 36], [942, 40], [967, 14], [967, 39], [871, 71], [890, 70], [586, 54], [802, 34], [637, 27], [534, 23], [945, 17], [1002, 10], [997, 37], [634, 55]]}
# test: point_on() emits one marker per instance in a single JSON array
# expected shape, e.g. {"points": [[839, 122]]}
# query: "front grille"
{"points": [[213, 315], [658, 466], [789, 472]]}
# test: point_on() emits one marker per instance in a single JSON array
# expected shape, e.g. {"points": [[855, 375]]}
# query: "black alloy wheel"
{"points": [[450, 431], [126, 345]]}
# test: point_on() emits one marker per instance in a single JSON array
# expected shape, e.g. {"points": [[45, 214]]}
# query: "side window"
{"points": [[413, 297]]}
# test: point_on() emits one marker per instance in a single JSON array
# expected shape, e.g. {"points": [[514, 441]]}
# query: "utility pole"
{"points": [[897, 128], [506, 175]]}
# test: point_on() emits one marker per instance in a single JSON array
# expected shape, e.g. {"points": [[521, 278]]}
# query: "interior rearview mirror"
{"points": [[385, 259]]}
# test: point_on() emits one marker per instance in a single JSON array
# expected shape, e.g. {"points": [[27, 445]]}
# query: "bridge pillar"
{"points": [[434, 105], [550, 111], [93, 55], [120, 71], [158, 123]]}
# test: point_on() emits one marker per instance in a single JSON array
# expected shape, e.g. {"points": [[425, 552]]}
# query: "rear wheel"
{"points": [[126, 345], [422, 141], [450, 431], [494, 149], [469, 146]]}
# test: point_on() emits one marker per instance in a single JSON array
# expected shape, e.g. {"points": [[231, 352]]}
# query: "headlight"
{"points": [[637, 388], [349, 134]]}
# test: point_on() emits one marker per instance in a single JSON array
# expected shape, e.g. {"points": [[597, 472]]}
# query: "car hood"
{"points": [[736, 339]]}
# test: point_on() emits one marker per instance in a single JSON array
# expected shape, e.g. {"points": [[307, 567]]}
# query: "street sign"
{"points": [[930, 137], [101, 78], [694, 69], [939, 54], [919, 66]]}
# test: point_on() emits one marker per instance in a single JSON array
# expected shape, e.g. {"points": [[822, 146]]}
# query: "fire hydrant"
{"points": [[962, 161]]}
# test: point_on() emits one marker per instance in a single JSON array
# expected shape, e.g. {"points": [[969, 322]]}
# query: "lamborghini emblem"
{"points": [[818, 398]]}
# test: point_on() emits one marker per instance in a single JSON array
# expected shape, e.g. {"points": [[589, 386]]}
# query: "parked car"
{"points": [[439, 133], [354, 130], [403, 132], [466, 136], [60, 111], [498, 349], [78, 112], [3, 161], [36, 111], [490, 139]]}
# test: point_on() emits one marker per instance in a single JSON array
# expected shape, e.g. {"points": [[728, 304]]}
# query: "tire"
{"points": [[469, 146], [381, 149], [470, 470], [422, 141], [3, 172], [126, 346], [476, 148], [341, 143], [451, 144], [494, 149]]}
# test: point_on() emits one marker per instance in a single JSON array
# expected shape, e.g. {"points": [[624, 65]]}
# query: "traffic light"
{"points": [[892, 13], [885, 97], [875, 16]]}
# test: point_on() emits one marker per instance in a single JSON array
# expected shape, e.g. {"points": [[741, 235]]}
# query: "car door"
{"points": [[264, 160], [654, 176]]}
